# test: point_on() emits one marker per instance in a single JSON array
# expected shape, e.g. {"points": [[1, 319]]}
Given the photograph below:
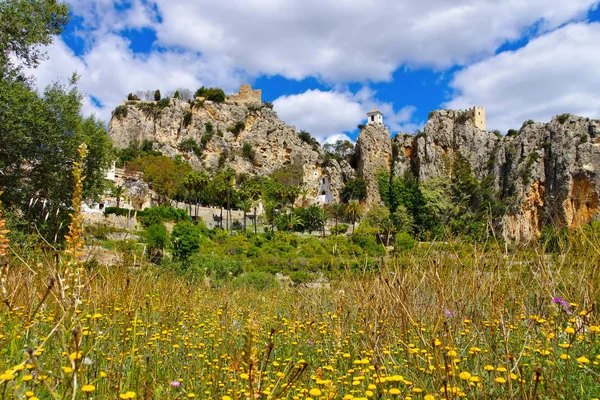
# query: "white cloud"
{"points": [[554, 74], [328, 114], [110, 70], [354, 40]]}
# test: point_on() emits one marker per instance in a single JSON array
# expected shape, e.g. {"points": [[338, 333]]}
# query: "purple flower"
{"points": [[564, 304], [175, 384], [448, 313], [310, 343]]}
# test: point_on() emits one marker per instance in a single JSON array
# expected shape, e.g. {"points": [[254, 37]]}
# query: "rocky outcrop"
{"points": [[270, 143], [374, 153], [545, 172]]}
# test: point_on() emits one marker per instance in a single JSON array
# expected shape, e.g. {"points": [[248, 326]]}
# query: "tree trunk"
{"points": [[244, 221], [221, 218], [255, 220], [228, 214], [118, 202]]}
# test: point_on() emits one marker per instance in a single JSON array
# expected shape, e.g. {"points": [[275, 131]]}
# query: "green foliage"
{"points": [[355, 189], [157, 215], [157, 95], [39, 136], [156, 237], [190, 146], [248, 152], [306, 137], [186, 240], [462, 118], [209, 127], [563, 118], [187, 119], [313, 218], [339, 229], [120, 112], [26, 26], [212, 94], [163, 174], [301, 277], [527, 123], [152, 110], [360, 127], [512, 132], [340, 150], [176, 94], [256, 280], [237, 128], [404, 242]]}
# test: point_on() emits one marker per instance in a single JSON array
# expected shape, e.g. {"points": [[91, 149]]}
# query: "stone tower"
{"points": [[477, 116], [374, 117]]}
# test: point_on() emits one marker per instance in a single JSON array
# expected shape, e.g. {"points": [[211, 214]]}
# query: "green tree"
{"points": [[353, 211], [157, 95], [39, 136], [355, 189], [186, 240], [156, 237], [336, 211], [25, 26], [118, 192]]}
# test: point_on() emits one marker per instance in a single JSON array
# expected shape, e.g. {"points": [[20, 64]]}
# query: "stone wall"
{"points": [[246, 96]]}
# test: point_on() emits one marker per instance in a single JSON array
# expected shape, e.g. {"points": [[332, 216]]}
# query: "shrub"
{"points": [[157, 215], [512, 132], [186, 240], [307, 138], [220, 269], [248, 152], [339, 229], [120, 112], [527, 123], [300, 277], [237, 128], [157, 95], [163, 103], [404, 241], [209, 127], [268, 105], [256, 280], [213, 94], [563, 118], [361, 126], [187, 119], [190, 146], [176, 95], [355, 189]]}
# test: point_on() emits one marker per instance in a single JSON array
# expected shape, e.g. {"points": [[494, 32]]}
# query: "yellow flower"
{"points": [[465, 376], [429, 397], [127, 395], [500, 380], [583, 360], [570, 330], [190, 395], [489, 368], [225, 398], [314, 392], [394, 391], [88, 388], [27, 378]]}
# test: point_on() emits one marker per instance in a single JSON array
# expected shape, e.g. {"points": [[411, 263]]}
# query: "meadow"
{"points": [[429, 324]]}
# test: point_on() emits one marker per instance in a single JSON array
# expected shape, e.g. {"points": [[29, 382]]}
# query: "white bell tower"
{"points": [[374, 117]]}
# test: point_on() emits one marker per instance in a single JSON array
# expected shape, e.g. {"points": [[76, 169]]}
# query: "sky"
{"points": [[325, 63]]}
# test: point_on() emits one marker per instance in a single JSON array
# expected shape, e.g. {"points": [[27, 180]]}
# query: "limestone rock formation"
{"points": [[271, 142], [545, 172], [374, 153]]}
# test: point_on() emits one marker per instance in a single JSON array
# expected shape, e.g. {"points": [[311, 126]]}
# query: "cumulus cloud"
{"points": [[553, 74], [354, 40], [330, 115], [110, 70]]}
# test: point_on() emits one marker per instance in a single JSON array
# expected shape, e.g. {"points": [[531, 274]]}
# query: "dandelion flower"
{"points": [[88, 388]]}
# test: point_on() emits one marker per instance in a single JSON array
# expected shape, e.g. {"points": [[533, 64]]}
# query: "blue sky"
{"points": [[325, 63]]}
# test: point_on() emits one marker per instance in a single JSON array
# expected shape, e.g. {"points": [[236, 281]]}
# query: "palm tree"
{"points": [[245, 205], [336, 210], [353, 210], [118, 192]]}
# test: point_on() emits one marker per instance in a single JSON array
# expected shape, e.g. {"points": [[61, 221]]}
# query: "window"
{"points": [[372, 118]]}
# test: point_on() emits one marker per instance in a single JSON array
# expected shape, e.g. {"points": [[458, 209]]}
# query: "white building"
{"points": [[374, 117], [111, 172], [324, 196]]}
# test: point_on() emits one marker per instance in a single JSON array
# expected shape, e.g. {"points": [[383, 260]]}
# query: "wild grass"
{"points": [[430, 324]]}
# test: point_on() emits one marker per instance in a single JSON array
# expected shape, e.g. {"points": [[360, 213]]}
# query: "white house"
{"points": [[374, 117], [324, 196]]}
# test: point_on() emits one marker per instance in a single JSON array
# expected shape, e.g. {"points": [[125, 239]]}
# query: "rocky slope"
{"points": [[545, 172], [273, 143]]}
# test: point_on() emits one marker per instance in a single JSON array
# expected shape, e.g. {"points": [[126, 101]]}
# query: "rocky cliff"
{"points": [[221, 130], [544, 172]]}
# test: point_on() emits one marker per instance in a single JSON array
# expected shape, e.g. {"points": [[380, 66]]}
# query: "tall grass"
{"points": [[431, 324]]}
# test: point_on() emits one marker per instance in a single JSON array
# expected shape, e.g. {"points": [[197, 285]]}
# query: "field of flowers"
{"points": [[431, 324]]}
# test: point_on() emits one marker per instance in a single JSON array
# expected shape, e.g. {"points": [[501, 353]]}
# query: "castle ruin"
{"points": [[477, 116], [246, 96]]}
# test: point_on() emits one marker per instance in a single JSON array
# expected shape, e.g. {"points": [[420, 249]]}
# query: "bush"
{"points": [[187, 119], [190, 146], [300, 277], [213, 94], [209, 127], [256, 280], [563, 118], [248, 152], [512, 132], [220, 269], [527, 123], [237, 128], [120, 112], [186, 240], [163, 103], [157, 215], [339, 229], [307, 138], [404, 242], [355, 189]]}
